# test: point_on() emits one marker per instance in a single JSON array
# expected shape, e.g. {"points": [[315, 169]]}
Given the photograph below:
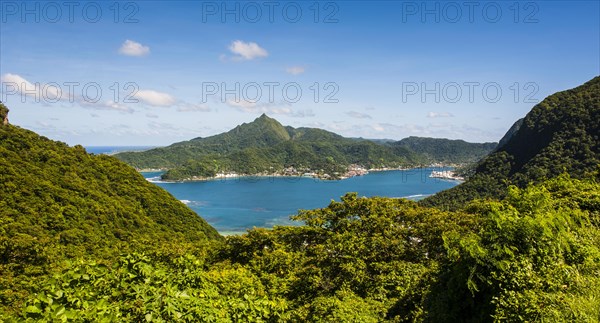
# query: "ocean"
{"points": [[109, 150], [234, 205]]}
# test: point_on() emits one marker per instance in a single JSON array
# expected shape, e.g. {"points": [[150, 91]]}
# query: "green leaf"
{"points": [[59, 311], [33, 309]]}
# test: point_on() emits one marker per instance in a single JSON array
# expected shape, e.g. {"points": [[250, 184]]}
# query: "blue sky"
{"points": [[172, 71]]}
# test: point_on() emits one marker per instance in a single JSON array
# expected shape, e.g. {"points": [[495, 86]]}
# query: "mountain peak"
{"points": [[262, 131], [264, 117], [265, 121]]}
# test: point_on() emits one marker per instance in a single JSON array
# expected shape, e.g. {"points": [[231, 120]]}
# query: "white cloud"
{"points": [[295, 70], [269, 108], [14, 84], [288, 112], [162, 126], [436, 130], [44, 92], [155, 98], [56, 92], [188, 107], [439, 115], [242, 105], [378, 127], [358, 115], [303, 113], [51, 93], [151, 115], [105, 105], [247, 51], [111, 105], [132, 48], [17, 80], [161, 99]]}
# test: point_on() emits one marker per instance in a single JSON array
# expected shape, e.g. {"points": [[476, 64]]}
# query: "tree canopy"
{"points": [[86, 238], [560, 134], [266, 146], [534, 256], [58, 202]]}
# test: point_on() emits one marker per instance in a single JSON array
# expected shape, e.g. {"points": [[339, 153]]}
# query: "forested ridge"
{"points": [[560, 134], [526, 249], [446, 151], [58, 203], [266, 146]]}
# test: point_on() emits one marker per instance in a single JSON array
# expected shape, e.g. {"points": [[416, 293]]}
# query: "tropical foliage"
{"points": [[265, 146], [3, 112], [534, 256], [560, 134], [86, 238], [59, 202], [446, 151]]}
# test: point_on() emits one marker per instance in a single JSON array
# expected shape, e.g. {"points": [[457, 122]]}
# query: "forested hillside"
{"points": [[437, 150], [60, 203], [85, 238], [534, 256], [560, 134], [266, 146]]}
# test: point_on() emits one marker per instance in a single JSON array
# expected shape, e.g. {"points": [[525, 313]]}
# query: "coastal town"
{"points": [[446, 174], [352, 170]]}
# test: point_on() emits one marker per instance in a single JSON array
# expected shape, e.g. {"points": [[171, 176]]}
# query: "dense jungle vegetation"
{"points": [[560, 134], [266, 146], [86, 238]]}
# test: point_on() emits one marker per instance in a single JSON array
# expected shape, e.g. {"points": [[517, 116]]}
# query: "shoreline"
{"points": [[446, 175], [360, 172], [150, 170]]}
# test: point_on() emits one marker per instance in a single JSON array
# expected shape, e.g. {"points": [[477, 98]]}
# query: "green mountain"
{"points": [[265, 146], [58, 202], [510, 133], [532, 254], [445, 150], [560, 134]]}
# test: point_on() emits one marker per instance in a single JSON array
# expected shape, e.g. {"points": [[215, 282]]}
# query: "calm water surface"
{"points": [[234, 205]]}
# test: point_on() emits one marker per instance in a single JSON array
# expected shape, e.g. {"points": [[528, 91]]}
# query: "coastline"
{"points": [[150, 170], [446, 175], [325, 177]]}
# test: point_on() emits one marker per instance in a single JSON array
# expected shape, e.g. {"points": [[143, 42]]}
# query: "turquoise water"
{"points": [[234, 205]]}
